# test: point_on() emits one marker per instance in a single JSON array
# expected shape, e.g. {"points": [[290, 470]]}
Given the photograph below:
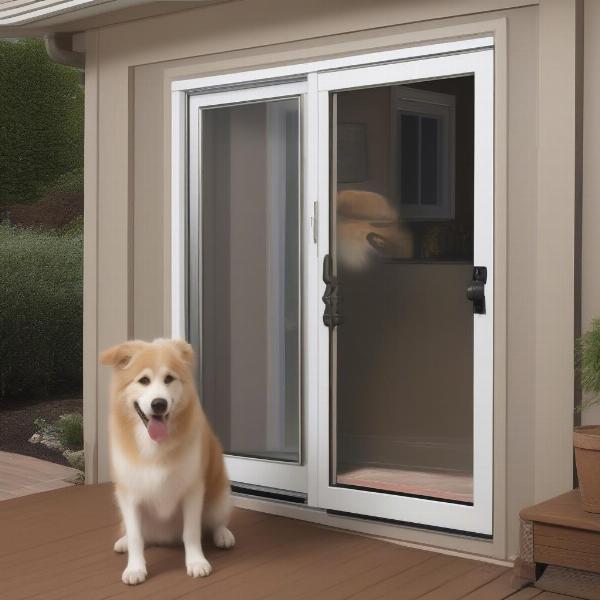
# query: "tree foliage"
{"points": [[41, 121]]}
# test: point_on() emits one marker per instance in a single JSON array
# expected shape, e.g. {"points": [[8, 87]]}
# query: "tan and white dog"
{"points": [[167, 464]]}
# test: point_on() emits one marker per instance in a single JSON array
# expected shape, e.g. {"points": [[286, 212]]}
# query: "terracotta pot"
{"points": [[587, 458]]}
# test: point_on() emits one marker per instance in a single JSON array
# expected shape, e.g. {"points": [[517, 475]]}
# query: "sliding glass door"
{"points": [[340, 272]]}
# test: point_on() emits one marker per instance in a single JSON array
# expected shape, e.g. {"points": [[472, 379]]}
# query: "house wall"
{"points": [[129, 70], [590, 237]]}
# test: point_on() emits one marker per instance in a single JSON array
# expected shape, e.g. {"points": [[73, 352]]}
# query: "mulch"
{"points": [[16, 425], [55, 211]]}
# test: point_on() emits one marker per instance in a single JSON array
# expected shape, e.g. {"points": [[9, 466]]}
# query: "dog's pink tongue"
{"points": [[157, 429]]}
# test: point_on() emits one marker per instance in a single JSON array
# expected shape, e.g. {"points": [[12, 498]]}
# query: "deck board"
{"points": [[58, 546], [499, 588], [23, 475]]}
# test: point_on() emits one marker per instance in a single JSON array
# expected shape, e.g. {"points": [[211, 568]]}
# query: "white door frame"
{"points": [[447, 59], [478, 517]]}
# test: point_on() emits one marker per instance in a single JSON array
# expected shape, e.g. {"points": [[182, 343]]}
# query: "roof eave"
{"points": [[18, 19]]}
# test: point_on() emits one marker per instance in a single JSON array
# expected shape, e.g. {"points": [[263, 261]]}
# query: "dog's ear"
{"points": [[120, 356], [186, 351]]}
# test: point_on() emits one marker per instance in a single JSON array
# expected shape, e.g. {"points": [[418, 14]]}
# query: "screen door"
{"points": [[408, 291], [244, 293]]}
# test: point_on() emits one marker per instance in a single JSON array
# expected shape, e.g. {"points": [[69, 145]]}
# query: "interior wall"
{"points": [[403, 361], [136, 63], [248, 282], [408, 340]]}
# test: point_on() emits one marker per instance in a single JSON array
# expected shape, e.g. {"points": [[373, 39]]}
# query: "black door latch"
{"points": [[476, 290], [331, 297]]}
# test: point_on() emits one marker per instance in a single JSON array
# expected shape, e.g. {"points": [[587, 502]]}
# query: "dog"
{"points": [[368, 227], [166, 462]]}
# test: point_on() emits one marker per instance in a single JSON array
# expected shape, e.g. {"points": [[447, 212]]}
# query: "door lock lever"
{"points": [[476, 290], [331, 297]]}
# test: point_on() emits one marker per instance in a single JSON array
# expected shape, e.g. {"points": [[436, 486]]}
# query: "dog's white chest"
{"points": [[161, 491], [158, 487]]}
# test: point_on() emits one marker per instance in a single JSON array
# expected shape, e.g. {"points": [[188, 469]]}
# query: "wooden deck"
{"points": [[58, 545], [22, 475]]}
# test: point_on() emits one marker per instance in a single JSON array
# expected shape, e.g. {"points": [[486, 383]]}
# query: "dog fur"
{"points": [[172, 489], [369, 227]]}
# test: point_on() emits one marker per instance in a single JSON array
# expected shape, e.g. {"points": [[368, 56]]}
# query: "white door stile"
{"points": [[323, 465], [179, 200], [313, 237], [483, 242]]}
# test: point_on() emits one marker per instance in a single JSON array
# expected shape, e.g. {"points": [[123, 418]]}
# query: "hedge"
{"points": [[41, 306], [41, 123]]}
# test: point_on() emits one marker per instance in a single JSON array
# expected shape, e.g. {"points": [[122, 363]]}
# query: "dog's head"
{"points": [[368, 227], [152, 382]]}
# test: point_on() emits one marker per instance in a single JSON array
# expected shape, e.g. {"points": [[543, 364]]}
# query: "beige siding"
{"points": [[555, 260], [90, 272], [137, 61], [590, 305]]}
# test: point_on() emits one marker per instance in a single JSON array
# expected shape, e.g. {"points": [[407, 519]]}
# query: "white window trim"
{"points": [[425, 103], [290, 71]]}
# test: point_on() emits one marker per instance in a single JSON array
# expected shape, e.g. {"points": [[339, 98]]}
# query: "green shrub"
{"points": [[70, 431], [75, 227], [41, 305], [41, 121], [43, 427], [70, 182], [587, 357], [76, 458]]}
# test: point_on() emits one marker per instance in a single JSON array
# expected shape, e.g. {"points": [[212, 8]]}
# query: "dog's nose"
{"points": [[159, 406]]}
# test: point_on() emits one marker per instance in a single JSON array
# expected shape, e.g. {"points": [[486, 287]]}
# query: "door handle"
{"points": [[476, 290], [331, 298]]}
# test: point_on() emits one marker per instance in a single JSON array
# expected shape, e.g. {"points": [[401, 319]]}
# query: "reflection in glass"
{"points": [[403, 250], [250, 277]]}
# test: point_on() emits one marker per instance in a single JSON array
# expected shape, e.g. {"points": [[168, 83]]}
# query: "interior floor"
{"points": [[447, 485]]}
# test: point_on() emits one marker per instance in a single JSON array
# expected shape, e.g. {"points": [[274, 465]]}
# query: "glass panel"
{"points": [[409, 171], [250, 277], [402, 418], [429, 160]]}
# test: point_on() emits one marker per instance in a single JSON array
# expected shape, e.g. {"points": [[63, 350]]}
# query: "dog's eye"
{"points": [[169, 378], [144, 380]]}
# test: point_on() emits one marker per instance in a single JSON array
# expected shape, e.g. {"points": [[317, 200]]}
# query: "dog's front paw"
{"points": [[198, 568], [133, 575], [223, 538], [121, 545]]}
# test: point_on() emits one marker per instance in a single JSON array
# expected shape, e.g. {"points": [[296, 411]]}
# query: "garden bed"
{"points": [[55, 212], [16, 425]]}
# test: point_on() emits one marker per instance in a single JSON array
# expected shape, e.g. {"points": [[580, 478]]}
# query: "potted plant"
{"points": [[586, 439]]}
